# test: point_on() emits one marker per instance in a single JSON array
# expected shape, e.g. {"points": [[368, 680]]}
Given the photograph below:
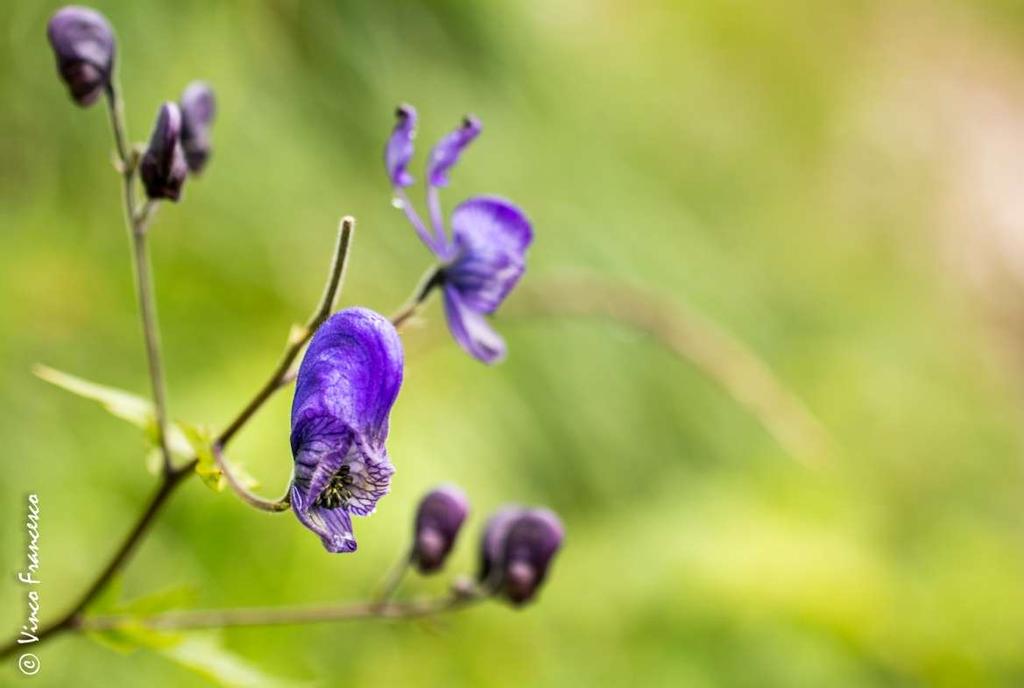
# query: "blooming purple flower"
{"points": [[438, 520], [84, 45], [163, 167], [517, 550], [198, 108], [346, 386], [484, 256]]}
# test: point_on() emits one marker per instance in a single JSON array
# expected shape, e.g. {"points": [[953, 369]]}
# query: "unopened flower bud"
{"points": [[83, 42], [198, 108], [438, 520], [163, 165], [519, 546]]}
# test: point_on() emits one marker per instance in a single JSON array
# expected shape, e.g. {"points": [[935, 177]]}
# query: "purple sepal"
{"points": [[198, 109], [163, 167], [399, 149], [439, 518], [83, 43], [347, 383], [447, 151]]}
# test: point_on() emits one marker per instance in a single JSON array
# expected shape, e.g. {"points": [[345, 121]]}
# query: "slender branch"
{"points": [[283, 616], [432, 278], [282, 504], [393, 579], [137, 220], [697, 340], [69, 619], [299, 335]]}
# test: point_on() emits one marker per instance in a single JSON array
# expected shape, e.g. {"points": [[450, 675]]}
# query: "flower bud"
{"points": [[163, 165], [83, 42], [533, 540], [438, 521], [198, 108], [517, 550]]}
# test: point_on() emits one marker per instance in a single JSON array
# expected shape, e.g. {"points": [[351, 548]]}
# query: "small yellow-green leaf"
{"points": [[132, 634], [201, 441]]}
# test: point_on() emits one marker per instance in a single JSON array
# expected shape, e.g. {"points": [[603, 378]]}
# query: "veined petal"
{"points": [[490, 237], [351, 373], [399, 149], [334, 526], [471, 330], [447, 151]]}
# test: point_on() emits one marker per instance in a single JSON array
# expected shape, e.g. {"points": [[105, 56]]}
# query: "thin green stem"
{"points": [[393, 579], [431, 279], [299, 335], [250, 498]]}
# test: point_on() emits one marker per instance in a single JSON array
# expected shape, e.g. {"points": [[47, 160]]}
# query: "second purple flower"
{"points": [[483, 256]]}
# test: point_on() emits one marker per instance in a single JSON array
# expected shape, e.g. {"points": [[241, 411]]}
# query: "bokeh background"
{"points": [[836, 184]]}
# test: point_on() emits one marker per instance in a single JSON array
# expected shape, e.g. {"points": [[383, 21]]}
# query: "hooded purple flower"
{"points": [[517, 550], [84, 45], [438, 520], [483, 257], [198, 108], [347, 384], [163, 167]]}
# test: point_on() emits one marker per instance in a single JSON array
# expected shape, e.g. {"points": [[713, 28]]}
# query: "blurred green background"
{"points": [[837, 184]]}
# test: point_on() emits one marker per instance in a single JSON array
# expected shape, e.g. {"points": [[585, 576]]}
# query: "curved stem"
{"points": [[299, 335], [693, 338], [393, 579], [431, 279], [242, 491], [283, 616]]}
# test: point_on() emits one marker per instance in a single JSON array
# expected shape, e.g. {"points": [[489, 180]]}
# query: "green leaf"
{"points": [[131, 635], [119, 403], [205, 655], [124, 405], [201, 440]]}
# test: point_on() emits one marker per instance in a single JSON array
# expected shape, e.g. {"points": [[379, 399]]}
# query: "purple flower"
{"points": [[517, 549], [84, 45], [198, 108], [163, 167], [347, 384], [438, 520], [484, 256]]}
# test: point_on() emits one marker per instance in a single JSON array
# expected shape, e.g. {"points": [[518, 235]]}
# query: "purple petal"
{"points": [[334, 526], [439, 518], [84, 45], [163, 168], [351, 372], [490, 236], [471, 330], [492, 545], [531, 543], [400, 147], [198, 108], [346, 386], [447, 151]]}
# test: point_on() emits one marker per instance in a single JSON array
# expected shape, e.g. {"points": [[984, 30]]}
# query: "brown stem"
{"points": [[282, 616]]}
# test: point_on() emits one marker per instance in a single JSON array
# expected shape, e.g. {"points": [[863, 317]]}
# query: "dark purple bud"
{"points": [[517, 550], [438, 521], [198, 108], [399, 150], [163, 165], [84, 45], [492, 545], [533, 540]]}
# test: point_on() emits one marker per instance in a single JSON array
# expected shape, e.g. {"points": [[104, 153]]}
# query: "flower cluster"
{"points": [[516, 550], [352, 370], [84, 46]]}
